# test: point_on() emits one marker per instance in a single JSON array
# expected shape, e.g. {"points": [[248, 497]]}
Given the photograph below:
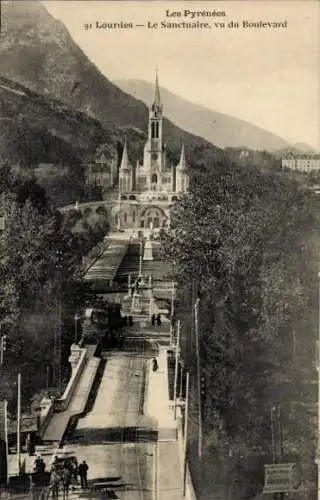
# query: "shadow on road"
{"points": [[113, 435]]}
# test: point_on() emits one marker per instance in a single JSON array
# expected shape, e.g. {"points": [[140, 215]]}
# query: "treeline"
{"points": [[246, 244], [40, 250]]}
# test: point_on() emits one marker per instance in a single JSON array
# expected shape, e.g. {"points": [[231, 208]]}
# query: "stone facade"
{"points": [[147, 190], [102, 173], [303, 164]]}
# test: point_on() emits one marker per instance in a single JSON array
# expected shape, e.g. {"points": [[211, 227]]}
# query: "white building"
{"points": [[302, 164], [147, 190]]}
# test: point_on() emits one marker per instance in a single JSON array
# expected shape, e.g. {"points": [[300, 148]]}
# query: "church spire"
{"points": [[125, 160], [182, 165], [157, 99], [156, 105]]}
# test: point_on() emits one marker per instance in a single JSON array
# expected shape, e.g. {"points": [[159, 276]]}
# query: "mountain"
{"points": [[296, 150], [303, 147], [38, 129], [220, 129], [38, 52]]}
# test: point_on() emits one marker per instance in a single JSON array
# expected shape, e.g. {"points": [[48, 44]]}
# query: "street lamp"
{"points": [[76, 318]]}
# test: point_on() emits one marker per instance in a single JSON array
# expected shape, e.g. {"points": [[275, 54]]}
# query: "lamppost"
{"points": [[76, 318]]}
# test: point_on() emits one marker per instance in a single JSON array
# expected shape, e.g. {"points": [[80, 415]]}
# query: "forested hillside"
{"points": [[246, 244], [57, 105], [40, 250]]}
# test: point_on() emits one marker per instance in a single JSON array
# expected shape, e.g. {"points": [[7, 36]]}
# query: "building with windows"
{"points": [[102, 173], [147, 190], [302, 163]]}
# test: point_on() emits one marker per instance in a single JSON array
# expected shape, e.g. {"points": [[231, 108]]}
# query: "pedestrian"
{"points": [[66, 480], [155, 364], [83, 471], [40, 466], [37, 463], [55, 463], [159, 319], [153, 319], [75, 470]]}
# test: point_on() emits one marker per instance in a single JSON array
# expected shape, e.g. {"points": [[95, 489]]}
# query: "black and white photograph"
{"points": [[159, 249]]}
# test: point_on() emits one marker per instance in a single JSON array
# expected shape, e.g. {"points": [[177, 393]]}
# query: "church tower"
{"points": [[125, 173], [154, 157], [182, 177]]}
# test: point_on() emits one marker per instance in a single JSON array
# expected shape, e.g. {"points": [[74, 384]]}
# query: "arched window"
{"points": [[157, 130], [133, 217], [125, 217], [154, 179], [153, 130], [116, 219]]}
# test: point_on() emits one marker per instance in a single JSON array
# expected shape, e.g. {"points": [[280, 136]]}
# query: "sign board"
{"points": [[279, 478]]}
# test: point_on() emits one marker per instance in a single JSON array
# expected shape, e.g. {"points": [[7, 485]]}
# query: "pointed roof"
{"points": [[182, 165], [157, 99], [156, 105], [125, 165]]}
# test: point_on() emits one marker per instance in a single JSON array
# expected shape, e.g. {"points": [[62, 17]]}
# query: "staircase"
{"points": [[130, 263], [106, 267]]}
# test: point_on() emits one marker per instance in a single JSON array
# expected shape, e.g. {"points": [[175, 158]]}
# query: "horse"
{"points": [[65, 479], [55, 483]]}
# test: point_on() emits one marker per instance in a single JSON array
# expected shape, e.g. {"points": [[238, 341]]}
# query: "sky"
{"points": [[267, 76]]}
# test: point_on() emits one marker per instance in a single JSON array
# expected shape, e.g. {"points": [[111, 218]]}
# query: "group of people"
{"points": [[64, 473], [127, 321], [39, 466], [156, 319]]}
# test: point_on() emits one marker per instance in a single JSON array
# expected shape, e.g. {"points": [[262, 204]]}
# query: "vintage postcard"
{"points": [[159, 249]]}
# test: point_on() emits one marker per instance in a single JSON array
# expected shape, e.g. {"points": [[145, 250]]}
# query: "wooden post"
{"points": [[47, 377], [185, 436], [176, 370], [19, 421], [158, 495], [181, 377], [276, 441], [6, 433], [172, 300], [140, 263]]}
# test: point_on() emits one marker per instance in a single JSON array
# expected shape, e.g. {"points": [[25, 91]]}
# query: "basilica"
{"points": [[146, 191]]}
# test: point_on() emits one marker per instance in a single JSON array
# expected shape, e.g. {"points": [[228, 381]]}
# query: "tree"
{"points": [[246, 242]]}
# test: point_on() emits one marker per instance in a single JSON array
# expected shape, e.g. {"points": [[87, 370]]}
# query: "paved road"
{"points": [[114, 438]]}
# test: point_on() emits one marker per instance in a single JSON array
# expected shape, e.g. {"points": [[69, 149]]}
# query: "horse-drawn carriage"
{"points": [[63, 475]]}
